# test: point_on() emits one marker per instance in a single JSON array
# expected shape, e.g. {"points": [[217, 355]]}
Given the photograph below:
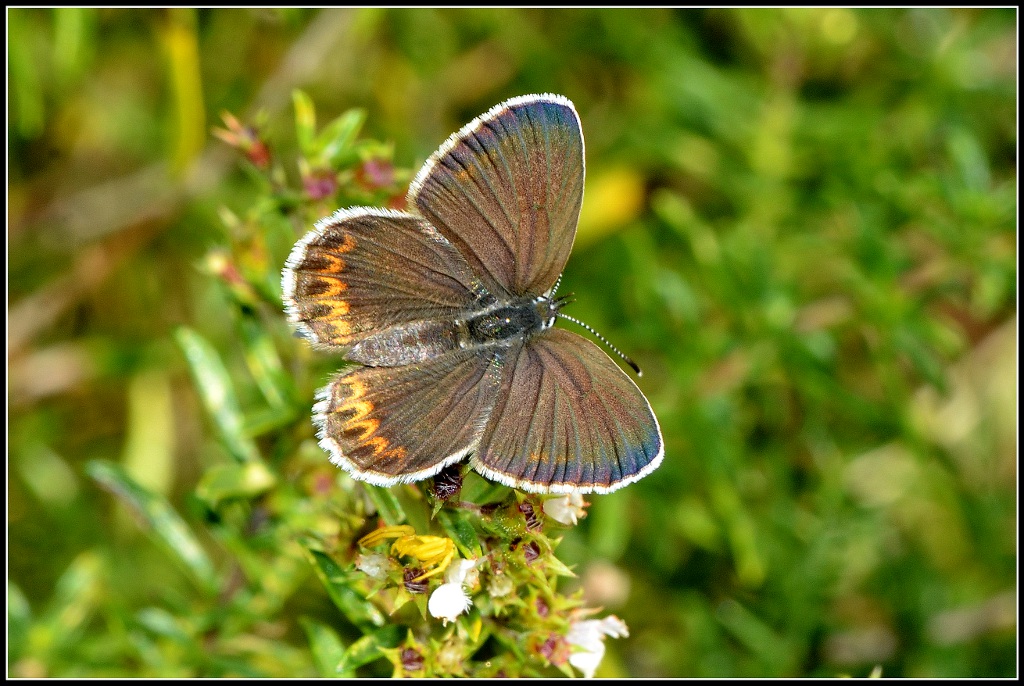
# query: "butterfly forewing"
{"points": [[363, 271], [506, 190], [397, 424], [567, 418]]}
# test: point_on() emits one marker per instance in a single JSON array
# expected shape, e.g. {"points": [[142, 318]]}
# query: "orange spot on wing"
{"points": [[379, 444], [358, 409], [361, 429], [382, 449], [324, 263], [364, 428], [336, 288], [324, 287], [325, 310], [347, 243], [339, 308], [356, 388]]}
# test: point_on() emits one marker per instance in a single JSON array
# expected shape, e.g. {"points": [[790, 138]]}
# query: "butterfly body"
{"points": [[522, 319], [449, 309]]}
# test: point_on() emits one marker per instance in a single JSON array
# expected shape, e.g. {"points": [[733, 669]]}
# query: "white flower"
{"points": [[373, 565], [587, 637], [501, 585], [449, 600], [565, 508]]}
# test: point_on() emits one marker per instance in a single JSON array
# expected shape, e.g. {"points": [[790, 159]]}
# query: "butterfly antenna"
{"points": [[554, 289], [625, 358]]}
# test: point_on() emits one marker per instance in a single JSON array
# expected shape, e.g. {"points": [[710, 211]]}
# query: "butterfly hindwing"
{"points": [[567, 419], [388, 425]]}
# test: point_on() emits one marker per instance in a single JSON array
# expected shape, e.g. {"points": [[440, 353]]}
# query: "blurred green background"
{"points": [[801, 223]]}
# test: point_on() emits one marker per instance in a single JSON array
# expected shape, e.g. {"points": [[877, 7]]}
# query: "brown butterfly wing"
{"points": [[506, 190], [567, 419]]}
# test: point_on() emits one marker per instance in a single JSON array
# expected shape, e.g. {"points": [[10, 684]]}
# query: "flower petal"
{"points": [[448, 601]]}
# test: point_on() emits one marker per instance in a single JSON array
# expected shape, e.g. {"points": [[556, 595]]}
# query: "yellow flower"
{"points": [[431, 551]]}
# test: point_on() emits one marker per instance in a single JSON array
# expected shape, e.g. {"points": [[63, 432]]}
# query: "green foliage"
{"points": [[801, 223]]}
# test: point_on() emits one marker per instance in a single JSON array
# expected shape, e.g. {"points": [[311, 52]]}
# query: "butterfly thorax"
{"points": [[520, 319]]}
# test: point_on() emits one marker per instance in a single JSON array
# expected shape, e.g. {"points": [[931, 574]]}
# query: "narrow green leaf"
{"points": [[265, 365], [923, 359], [159, 519], [19, 619], [225, 481], [349, 600], [755, 634], [217, 393], [458, 527], [388, 507], [565, 669], [263, 420], [558, 567], [336, 140], [740, 531], [73, 36], [78, 592], [148, 455], [162, 623], [327, 648], [26, 84], [472, 630], [368, 648], [305, 122]]}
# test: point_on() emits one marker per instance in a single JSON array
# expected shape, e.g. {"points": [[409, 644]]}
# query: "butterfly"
{"points": [[449, 309]]}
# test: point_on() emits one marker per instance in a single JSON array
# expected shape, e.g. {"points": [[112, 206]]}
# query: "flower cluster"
{"points": [[494, 575]]}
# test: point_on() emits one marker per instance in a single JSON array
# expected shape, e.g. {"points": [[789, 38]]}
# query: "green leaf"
{"points": [[923, 359], [217, 393], [79, 591], [159, 519], [162, 623], [368, 648], [388, 507], [476, 489], [456, 523], [327, 648], [265, 365], [264, 420], [341, 587], [558, 567], [755, 634], [19, 619], [472, 630], [336, 139], [225, 481], [305, 122]]}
